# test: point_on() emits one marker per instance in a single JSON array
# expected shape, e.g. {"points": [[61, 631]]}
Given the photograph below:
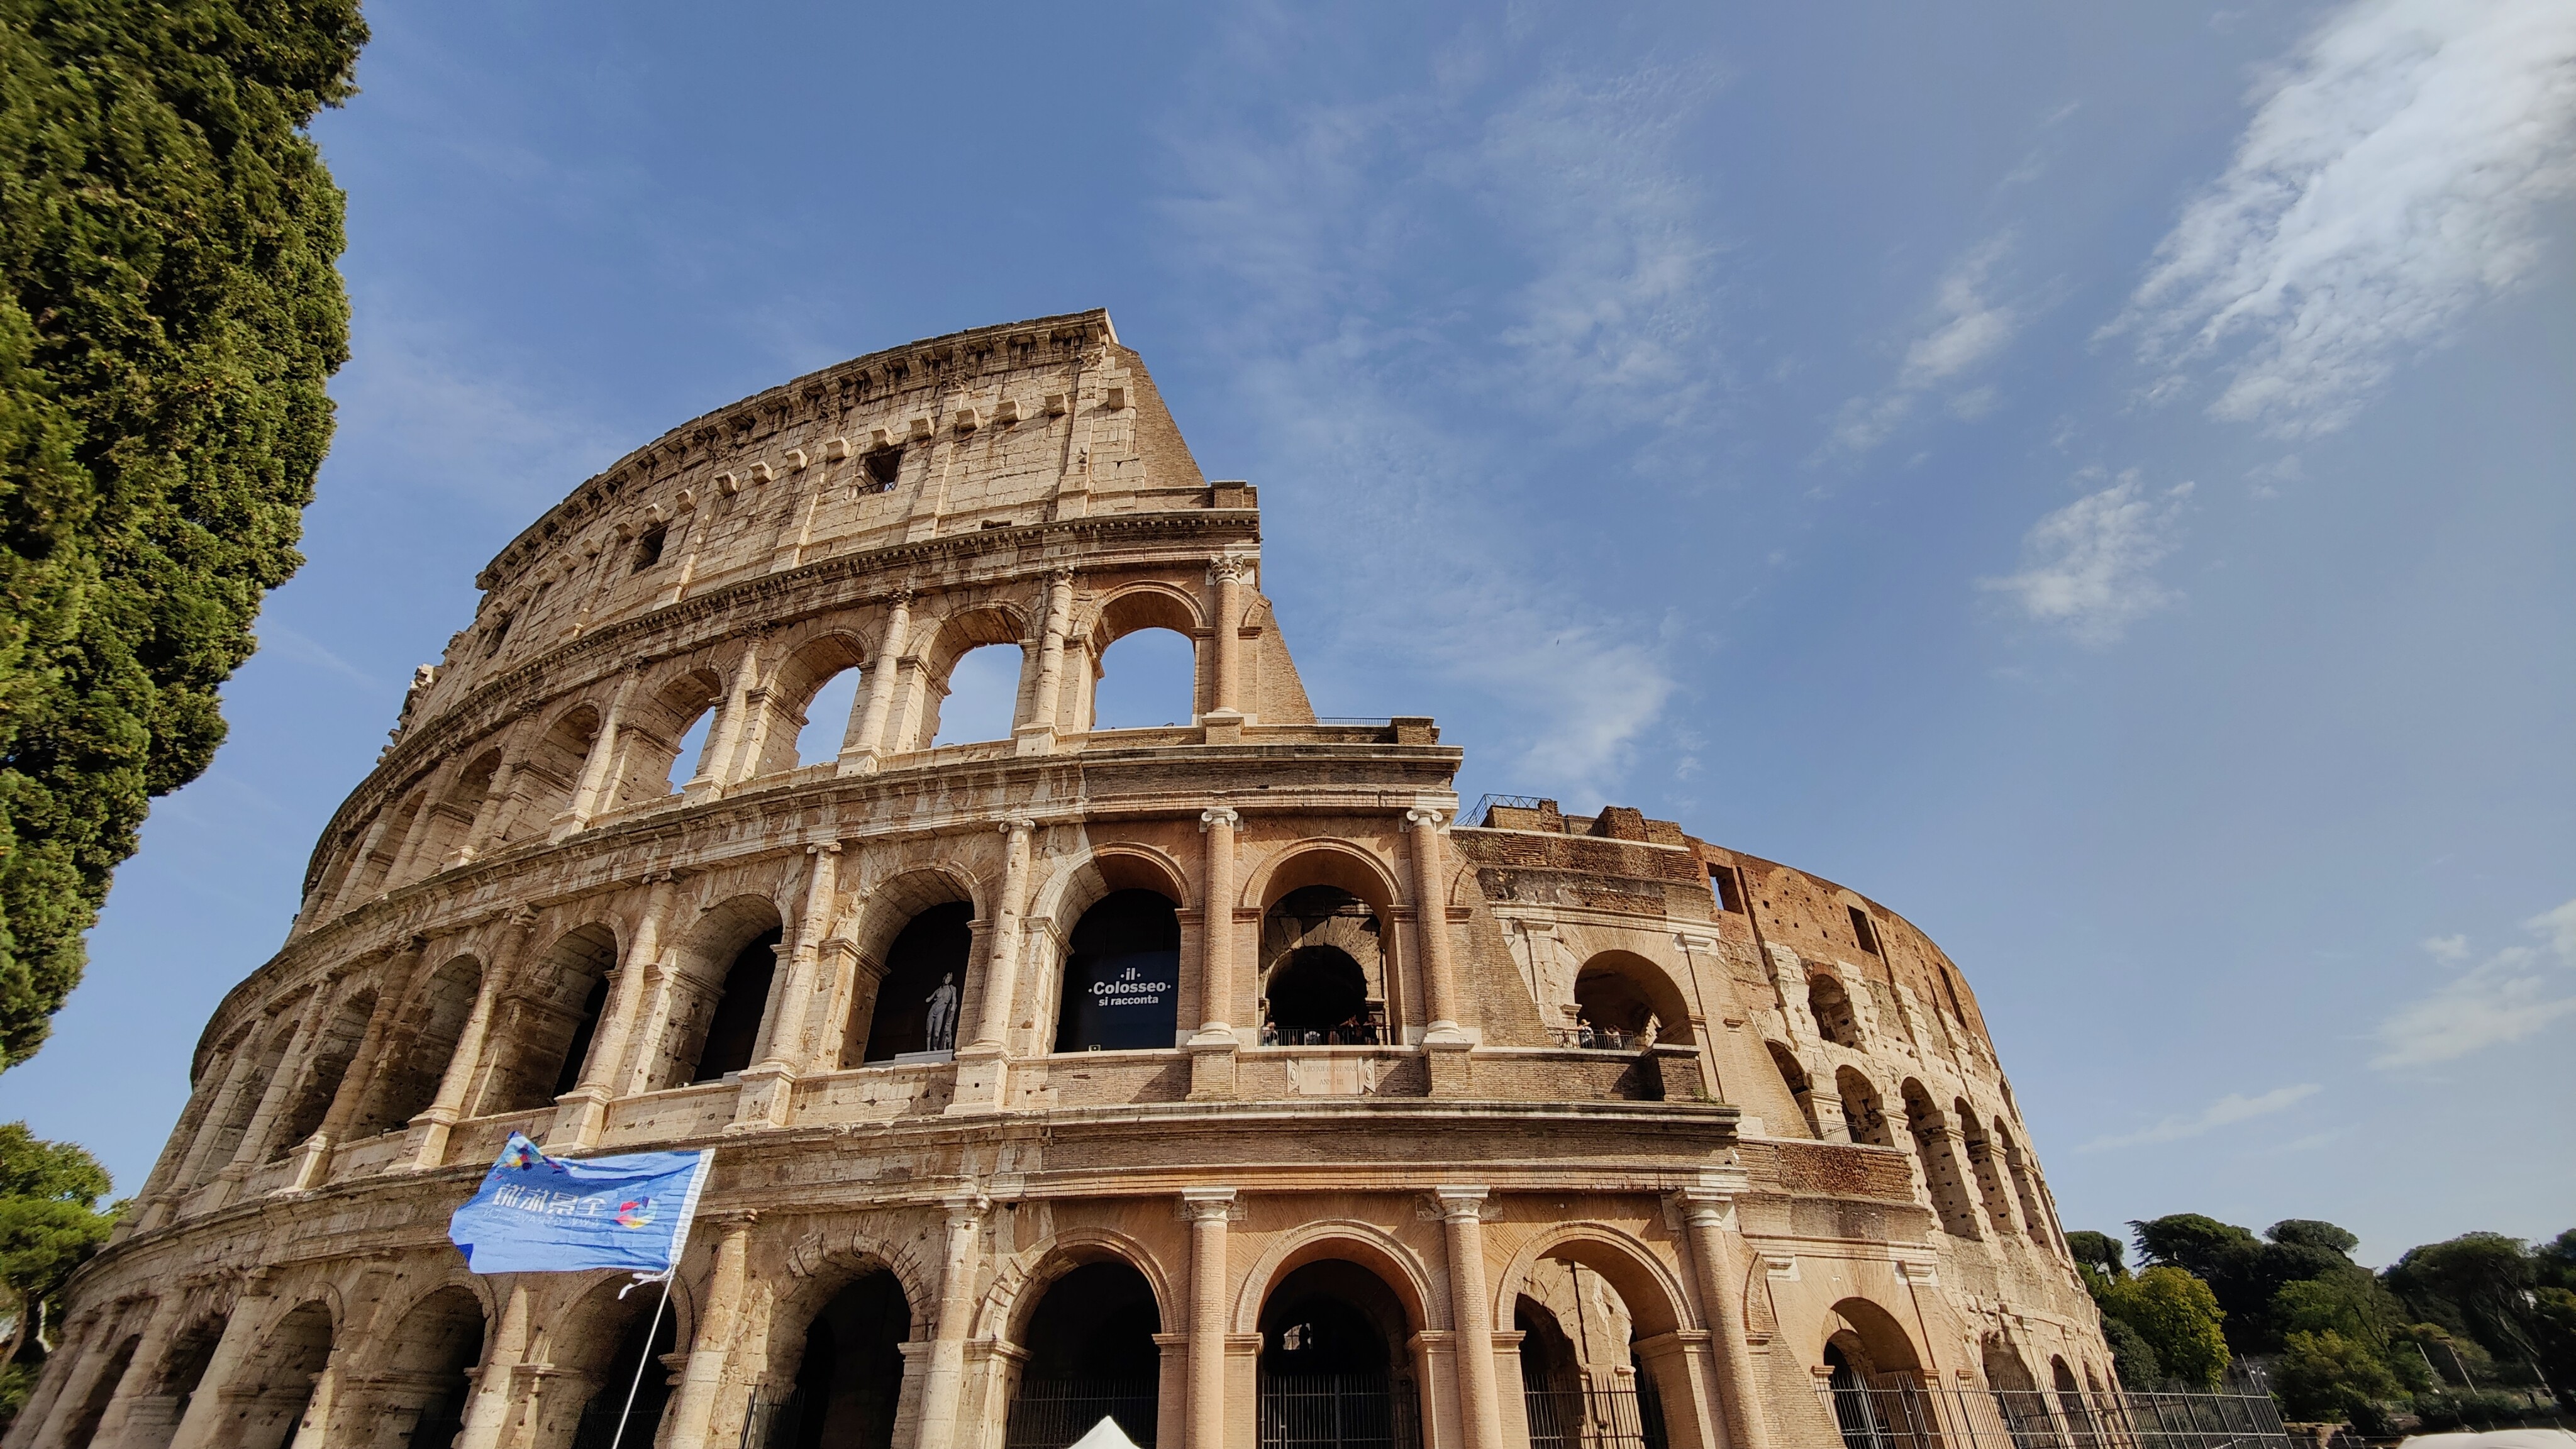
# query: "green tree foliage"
{"points": [[2326, 1377], [2178, 1317], [169, 316], [2097, 1257], [2479, 1284], [2132, 1357], [49, 1224]]}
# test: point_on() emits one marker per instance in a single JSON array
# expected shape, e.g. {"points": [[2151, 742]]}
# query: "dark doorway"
{"points": [[924, 989], [1091, 1356], [850, 1382], [636, 1353], [735, 1028], [1329, 1377], [584, 1027], [1121, 978], [1318, 997]]}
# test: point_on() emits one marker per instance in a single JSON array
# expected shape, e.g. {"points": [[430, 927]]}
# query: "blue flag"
{"points": [[540, 1214]]}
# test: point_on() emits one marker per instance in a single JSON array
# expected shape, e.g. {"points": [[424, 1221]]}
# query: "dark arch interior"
{"points": [[1612, 1005], [1321, 996], [93, 1407], [1547, 1355], [851, 1376], [1122, 976], [734, 1029], [294, 1355], [654, 1332], [440, 1341], [1091, 1356], [927, 959], [584, 1028], [1330, 1371]]}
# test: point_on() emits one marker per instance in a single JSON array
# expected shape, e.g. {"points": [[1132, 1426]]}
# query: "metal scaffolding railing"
{"points": [[1908, 1416]]}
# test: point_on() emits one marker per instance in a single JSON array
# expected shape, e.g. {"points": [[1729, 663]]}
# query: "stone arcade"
{"points": [[1216, 1076]]}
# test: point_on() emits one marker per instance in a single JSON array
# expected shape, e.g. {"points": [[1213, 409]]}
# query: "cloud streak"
{"points": [[2392, 178], [2088, 568], [2516, 993], [1967, 328], [2225, 1112]]}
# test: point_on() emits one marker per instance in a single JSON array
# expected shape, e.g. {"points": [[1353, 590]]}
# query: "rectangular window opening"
{"points": [[1863, 931], [648, 548], [884, 465], [1730, 894]]}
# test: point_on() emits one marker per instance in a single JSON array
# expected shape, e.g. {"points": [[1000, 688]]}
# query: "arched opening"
{"points": [[1091, 1355], [1801, 1090], [1146, 680], [1862, 1111], [830, 716], [2018, 1402], [247, 1091], [919, 1000], [633, 1333], [1940, 1162], [1332, 1370], [2072, 1404], [1323, 977], [332, 1053], [690, 760], [280, 1379], [2024, 1188], [1831, 1006], [416, 1060], [979, 697], [83, 1424], [153, 1418], [453, 816], [1988, 1172], [427, 1376], [650, 736], [556, 1016], [375, 873], [733, 1027], [1583, 1385], [1873, 1376], [849, 1380], [545, 780], [1122, 976]]}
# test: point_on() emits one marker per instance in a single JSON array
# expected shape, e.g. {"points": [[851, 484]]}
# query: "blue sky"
{"points": [[2096, 479]]}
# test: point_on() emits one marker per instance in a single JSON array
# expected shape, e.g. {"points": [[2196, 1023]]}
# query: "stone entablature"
{"points": [[1164, 1060]]}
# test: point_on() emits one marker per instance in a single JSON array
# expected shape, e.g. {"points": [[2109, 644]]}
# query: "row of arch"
{"points": [[814, 698], [1999, 1176]]}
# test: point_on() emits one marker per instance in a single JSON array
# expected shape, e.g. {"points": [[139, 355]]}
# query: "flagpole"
{"points": [[644, 1360]]}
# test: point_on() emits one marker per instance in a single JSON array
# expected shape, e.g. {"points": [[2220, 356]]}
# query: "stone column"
{"points": [[487, 1409], [291, 1065], [1227, 575], [1480, 1409], [141, 1372], [430, 1128], [1431, 926], [702, 1381], [768, 1086], [982, 1068], [945, 1383], [347, 895], [361, 1071], [496, 794], [71, 1376], [1710, 1213], [192, 1171], [1036, 734], [408, 855], [717, 766], [1208, 1209], [863, 756], [1212, 1049], [582, 1113], [594, 770], [248, 1323]]}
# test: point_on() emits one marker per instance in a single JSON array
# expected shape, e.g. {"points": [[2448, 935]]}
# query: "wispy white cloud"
{"points": [[2088, 568], [2516, 993], [1411, 425], [2393, 177], [287, 643], [1965, 328], [2226, 1111]]}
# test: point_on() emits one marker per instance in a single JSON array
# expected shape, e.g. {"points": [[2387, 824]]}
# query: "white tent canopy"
{"points": [[1105, 1435]]}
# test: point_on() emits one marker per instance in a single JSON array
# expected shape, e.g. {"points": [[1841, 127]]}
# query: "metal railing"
{"points": [[771, 1421], [1338, 1411], [1899, 1415], [1052, 1413], [1600, 1038], [1599, 1418]]}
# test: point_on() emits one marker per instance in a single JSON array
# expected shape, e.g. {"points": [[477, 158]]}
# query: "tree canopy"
{"points": [[169, 313]]}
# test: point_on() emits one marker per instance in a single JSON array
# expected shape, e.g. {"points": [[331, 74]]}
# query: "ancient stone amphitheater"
{"points": [[1215, 1077]]}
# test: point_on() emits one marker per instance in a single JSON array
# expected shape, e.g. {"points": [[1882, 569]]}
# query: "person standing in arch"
{"points": [[941, 1029]]}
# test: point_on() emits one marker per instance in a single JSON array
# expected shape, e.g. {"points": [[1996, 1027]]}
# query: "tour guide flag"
{"points": [[540, 1214]]}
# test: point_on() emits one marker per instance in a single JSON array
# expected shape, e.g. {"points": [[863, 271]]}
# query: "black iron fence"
{"points": [[1899, 1415], [1600, 1418], [1053, 1413], [1338, 1411], [771, 1422]]}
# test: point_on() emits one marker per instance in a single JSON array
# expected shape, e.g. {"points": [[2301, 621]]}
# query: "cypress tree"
{"points": [[169, 313]]}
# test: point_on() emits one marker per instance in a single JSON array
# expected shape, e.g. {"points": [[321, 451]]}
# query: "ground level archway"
{"points": [[1334, 1371], [1091, 1355]]}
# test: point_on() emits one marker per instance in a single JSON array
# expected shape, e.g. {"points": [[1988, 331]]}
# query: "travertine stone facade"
{"points": [[1207, 1073]]}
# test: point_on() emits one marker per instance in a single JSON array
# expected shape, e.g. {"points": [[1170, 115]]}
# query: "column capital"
{"points": [[902, 598], [1225, 568], [1207, 1204], [1060, 574], [1220, 815], [1460, 1204], [824, 847], [736, 1220], [1016, 826], [1421, 815]]}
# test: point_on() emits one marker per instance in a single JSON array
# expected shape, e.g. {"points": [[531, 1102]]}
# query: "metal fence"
{"points": [[1052, 1413], [1338, 1411], [1900, 1415], [1599, 1038], [771, 1422], [1595, 1418]]}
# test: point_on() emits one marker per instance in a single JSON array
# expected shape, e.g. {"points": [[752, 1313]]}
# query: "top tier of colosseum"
{"points": [[1215, 1077]]}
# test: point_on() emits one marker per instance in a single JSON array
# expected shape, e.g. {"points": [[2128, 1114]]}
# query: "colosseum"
{"points": [[1218, 1078]]}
